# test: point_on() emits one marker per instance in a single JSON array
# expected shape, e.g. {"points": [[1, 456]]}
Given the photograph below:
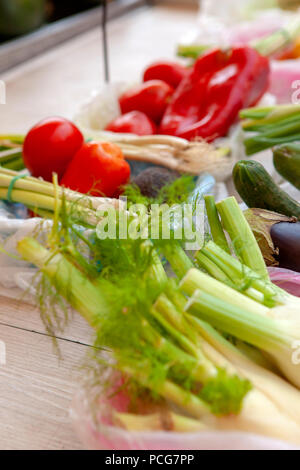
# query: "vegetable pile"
{"points": [[278, 237], [214, 342], [56, 146], [220, 84], [202, 101]]}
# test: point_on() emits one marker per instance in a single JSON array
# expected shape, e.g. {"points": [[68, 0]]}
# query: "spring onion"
{"points": [[267, 46], [271, 126], [159, 333]]}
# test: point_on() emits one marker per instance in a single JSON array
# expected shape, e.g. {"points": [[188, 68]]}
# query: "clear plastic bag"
{"points": [[231, 22], [232, 11], [97, 433], [286, 279]]}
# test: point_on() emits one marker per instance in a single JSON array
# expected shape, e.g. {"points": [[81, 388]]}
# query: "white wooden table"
{"points": [[36, 387]]}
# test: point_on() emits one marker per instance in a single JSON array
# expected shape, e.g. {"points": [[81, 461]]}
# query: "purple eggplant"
{"points": [[286, 239], [278, 237]]}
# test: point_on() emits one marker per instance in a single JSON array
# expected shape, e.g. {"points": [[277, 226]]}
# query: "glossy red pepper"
{"points": [[170, 72], [98, 168], [208, 100], [151, 98], [132, 123]]}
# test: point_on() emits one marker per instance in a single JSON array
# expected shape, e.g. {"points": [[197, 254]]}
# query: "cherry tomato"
{"points": [[132, 123], [50, 146], [170, 72], [98, 168], [150, 98]]}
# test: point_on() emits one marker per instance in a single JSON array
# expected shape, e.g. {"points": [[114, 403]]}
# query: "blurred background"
{"points": [[30, 27], [18, 17]]}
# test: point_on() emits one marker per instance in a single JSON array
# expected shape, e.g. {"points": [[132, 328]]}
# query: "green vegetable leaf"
{"points": [[225, 393]]}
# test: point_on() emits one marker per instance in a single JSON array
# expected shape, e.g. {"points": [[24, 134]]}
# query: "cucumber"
{"points": [[259, 190], [286, 160], [21, 16]]}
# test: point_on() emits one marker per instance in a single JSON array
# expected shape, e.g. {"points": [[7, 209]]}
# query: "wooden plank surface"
{"points": [[36, 387], [20, 314], [36, 390]]}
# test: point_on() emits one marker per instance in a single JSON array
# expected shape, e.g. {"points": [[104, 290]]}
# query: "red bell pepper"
{"points": [[98, 169], [208, 100], [170, 72], [151, 98], [132, 123]]}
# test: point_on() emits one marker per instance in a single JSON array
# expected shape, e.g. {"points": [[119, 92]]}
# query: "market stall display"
{"points": [[196, 344]]}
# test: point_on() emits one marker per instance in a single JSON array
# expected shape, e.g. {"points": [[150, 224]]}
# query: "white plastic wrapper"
{"points": [[286, 279]]}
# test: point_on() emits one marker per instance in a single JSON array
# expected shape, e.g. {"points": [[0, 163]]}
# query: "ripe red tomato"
{"points": [[98, 168], [170, 72], [50, 146], [150, 98], [132, 123]]}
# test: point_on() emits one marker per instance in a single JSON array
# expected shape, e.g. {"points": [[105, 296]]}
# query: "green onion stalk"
{"points": [[241, 291], [11, 152], [43, 198], [274, 331], [226, 215], [143, 350], [165, 419], [271, 126], [160, 332], [257, 371], [146, 346], [268, 46], [237, 296], [217, 232], [123, 295], [12, 159], [232, 272]]}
